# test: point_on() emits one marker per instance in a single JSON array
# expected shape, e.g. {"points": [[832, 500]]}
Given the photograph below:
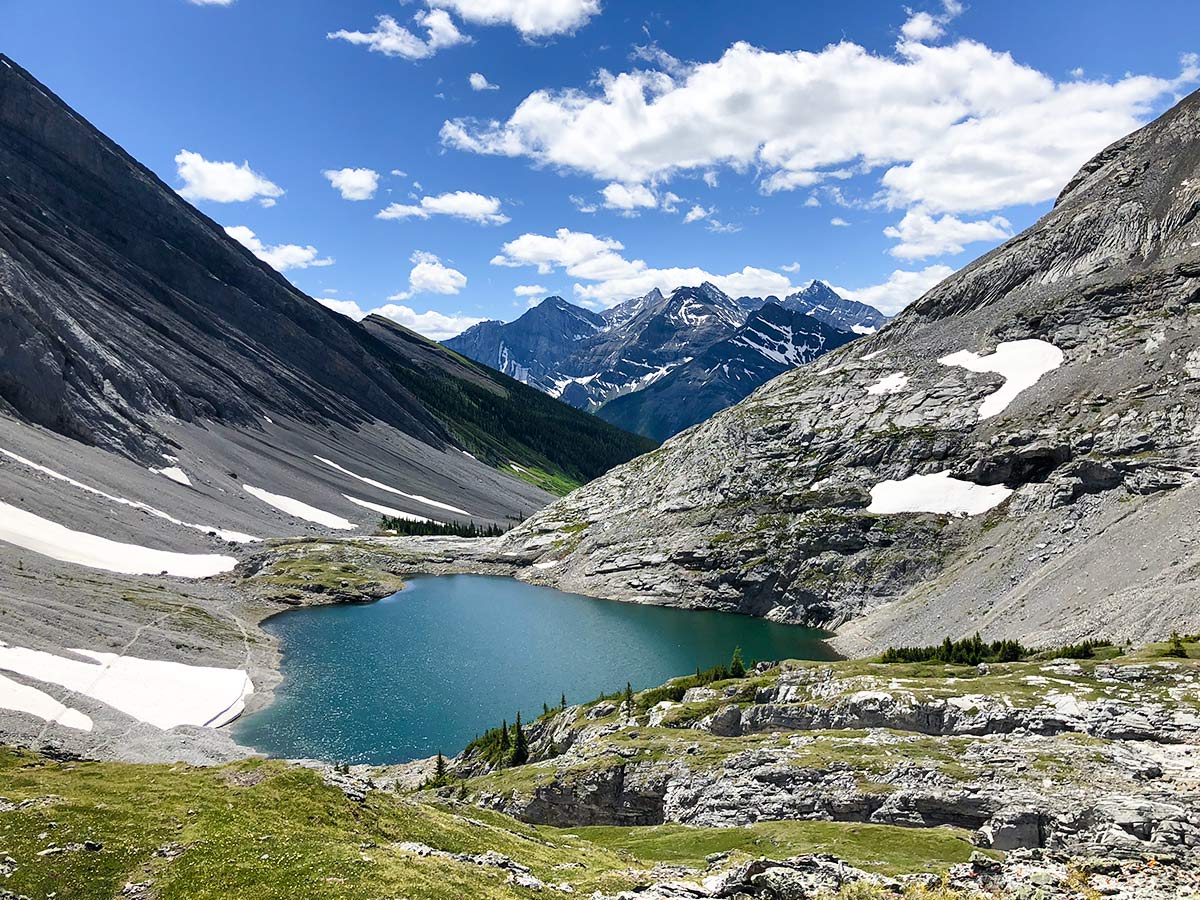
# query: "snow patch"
{"points": [[890, 384], [234, 536], [391, 490], [867, 357], [935, 494], [299, 509], [863, 329], [175, 473], [32, 532], [22, 698], [547, 565], [1021, 363], [388, 511], [159, 693]]}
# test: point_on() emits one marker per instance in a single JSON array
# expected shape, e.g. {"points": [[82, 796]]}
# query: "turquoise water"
{"points": [[429, 668]]}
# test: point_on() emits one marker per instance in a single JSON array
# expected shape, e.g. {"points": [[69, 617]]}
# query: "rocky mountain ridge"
{"points": [[773, 340], [591, 361], [826, 305], [997, 457]]}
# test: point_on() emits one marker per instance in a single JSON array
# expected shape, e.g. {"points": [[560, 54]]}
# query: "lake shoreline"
{"points": [[401, 558], [661, 643]]}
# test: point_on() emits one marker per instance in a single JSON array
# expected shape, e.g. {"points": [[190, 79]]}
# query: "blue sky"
{"points": [[614, 146]]}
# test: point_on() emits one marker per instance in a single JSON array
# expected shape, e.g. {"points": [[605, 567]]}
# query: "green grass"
{"points": [[551, 482], [887, 849], [322, 567], [263, 830], [256, 830]]}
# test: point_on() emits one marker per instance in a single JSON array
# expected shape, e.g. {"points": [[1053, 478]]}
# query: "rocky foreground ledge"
{"points": [[1084, 756]]}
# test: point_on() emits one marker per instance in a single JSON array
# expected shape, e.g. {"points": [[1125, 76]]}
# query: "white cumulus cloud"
{"points": [[459, 204], [279, 257], [925, 26], [955, 128], [222, 182], [921, 235], [696, 213], [354, 184], [628, 197], [391, 38], [533, 18], [900, 289], [430, 276], [345, 307], [479, 82], [530, 290], [606, 277], [435, 325], [922, 26]]}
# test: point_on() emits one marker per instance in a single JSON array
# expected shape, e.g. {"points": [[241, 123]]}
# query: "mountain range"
{"points": [[698, 348]]}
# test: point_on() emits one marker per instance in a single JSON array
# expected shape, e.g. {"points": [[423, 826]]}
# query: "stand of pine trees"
{"points": [[408, 528], [969, 651]]}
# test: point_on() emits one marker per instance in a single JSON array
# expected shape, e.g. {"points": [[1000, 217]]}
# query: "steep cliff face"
{"points": [[1011, 453]]}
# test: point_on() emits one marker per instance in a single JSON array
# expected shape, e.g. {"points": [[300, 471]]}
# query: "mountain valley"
{"points": [[986, 509]]}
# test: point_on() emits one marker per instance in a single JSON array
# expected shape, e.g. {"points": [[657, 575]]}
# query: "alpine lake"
{"points": [[429, 668]]}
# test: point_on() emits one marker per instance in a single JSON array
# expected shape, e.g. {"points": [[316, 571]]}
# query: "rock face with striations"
{"points": [[122, 302], [126, 312], [1015, 453]]}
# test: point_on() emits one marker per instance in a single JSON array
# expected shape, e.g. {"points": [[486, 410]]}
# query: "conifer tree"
{"points": [[520, 754], [564, 700], [439, 772], [504, 744], [737, 668], [1175, 646], [628, 701]]}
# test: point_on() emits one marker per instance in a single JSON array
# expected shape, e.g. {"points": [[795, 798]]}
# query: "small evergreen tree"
{"points": [[1175, 646], [545, 709], [520, 754], [737, 668], [504, 743], [439, 770], [628, 699]]}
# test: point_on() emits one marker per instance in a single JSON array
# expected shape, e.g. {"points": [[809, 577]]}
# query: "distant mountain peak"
{"points": [[823, 303]]}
